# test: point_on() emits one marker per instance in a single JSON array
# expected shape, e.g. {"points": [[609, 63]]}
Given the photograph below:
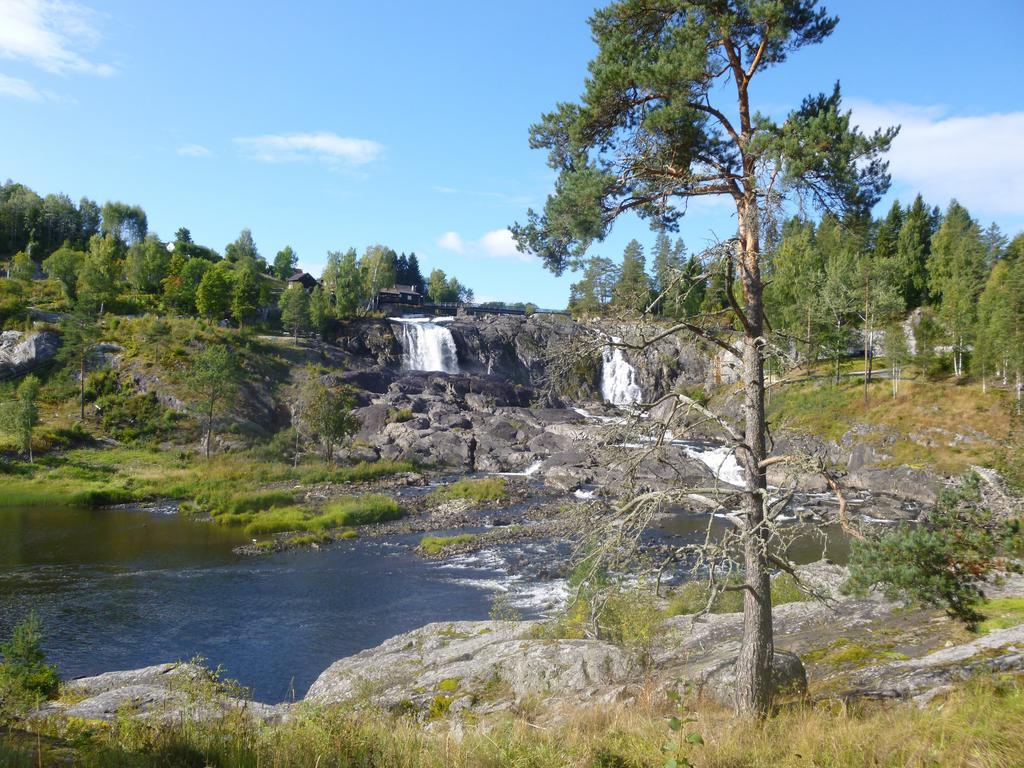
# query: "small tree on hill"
{"points": [[212, 377], [213, 296], [284, 262], [325, 414], [80, 330], [245, 296], [20, 416], [294, 305]]}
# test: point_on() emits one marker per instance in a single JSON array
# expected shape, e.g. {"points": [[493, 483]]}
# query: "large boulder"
{"points": [[482, 666], [22, 352]]}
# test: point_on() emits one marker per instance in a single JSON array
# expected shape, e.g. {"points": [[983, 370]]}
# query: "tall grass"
{"points": [[949, 733]]}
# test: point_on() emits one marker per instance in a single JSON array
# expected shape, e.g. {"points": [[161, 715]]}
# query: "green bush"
{"points": [[25, 677], [692, 596], [398, 415]]}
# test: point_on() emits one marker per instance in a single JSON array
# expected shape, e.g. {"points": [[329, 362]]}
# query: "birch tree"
{"points": [[667, 115]]}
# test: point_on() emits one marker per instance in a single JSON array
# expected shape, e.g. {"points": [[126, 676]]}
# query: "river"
{"points": [[120, 588]]}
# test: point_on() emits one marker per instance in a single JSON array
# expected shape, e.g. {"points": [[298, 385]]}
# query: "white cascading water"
{"points": [[618, 377], [427, 345]]}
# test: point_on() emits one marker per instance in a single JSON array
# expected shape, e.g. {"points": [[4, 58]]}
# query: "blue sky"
{"points": [[405, 123]]}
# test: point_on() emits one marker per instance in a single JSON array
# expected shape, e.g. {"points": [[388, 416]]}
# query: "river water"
{"points": [[125, 588], [118, 589]]}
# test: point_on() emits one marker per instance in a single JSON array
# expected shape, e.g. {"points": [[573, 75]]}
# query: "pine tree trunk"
{"points": [[753, 666], [81, 389]]}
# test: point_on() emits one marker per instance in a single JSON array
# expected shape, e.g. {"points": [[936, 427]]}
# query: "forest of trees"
{"points": [[831, 284], [104, 258]]}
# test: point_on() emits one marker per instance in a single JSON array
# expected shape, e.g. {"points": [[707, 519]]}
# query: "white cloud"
{"points": [[325, 147], [979, 160], [450, 241], [496, 244], [50, 34], [19, 89], [499, 243], [194, 150]]}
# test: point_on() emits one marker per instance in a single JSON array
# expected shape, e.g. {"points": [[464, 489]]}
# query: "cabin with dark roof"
{"points": [[304, 279], [400, 294]]}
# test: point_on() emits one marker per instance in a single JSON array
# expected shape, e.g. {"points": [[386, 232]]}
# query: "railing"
{"points": [[454, 307]]}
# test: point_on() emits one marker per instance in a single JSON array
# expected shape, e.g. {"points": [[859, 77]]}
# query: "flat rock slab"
{"points": [[478, 665]]}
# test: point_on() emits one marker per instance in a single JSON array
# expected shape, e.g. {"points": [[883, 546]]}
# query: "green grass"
{"points": [[434, 545], [344, 513], [484, 489], [363, 472], [1002, 613], [846, 652], [693, 596]]}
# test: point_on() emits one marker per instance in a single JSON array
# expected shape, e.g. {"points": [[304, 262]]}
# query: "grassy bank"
{"points": [[102, 476], [946, 732], [940, 424]]}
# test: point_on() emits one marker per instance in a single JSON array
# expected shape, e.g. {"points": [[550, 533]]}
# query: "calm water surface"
{"points": [[118, 589]]}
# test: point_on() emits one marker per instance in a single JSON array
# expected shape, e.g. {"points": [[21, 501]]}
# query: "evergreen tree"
{"points": [[415, 277], [633, 288], [672, 278], [956, 276], [913, 245]]}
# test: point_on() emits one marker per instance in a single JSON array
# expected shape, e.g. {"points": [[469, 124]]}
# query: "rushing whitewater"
{"points": [[427, 345], [719, 459], [618, 378]]}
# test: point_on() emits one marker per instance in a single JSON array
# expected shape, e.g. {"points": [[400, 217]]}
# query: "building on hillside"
{"points": [[304, 279], [399, 294]]}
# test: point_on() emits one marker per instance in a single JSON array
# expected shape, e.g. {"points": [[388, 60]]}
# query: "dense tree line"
{"points": [[104, 258], [835, 286]]}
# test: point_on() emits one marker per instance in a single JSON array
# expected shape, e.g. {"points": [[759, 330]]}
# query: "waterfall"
{"points": [[427, 345], [618, 377]]}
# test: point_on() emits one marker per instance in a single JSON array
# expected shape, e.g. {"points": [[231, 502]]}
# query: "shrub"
{"points": [[484, 489], [25, 677], [398, 415], [944, 561]]}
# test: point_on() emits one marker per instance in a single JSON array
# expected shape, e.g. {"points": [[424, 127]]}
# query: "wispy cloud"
{"points": [[19, 89], [323, 147], [500, 196], [977, 159], [53, 35], [194, 150], [496, 244]]}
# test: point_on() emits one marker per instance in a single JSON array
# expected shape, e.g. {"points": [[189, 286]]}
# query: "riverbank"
{"points": [[882, 684]]}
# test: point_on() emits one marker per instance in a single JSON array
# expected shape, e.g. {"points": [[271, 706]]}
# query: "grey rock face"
{"points": [[789, 678], [484, 665], [21, 352]]}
